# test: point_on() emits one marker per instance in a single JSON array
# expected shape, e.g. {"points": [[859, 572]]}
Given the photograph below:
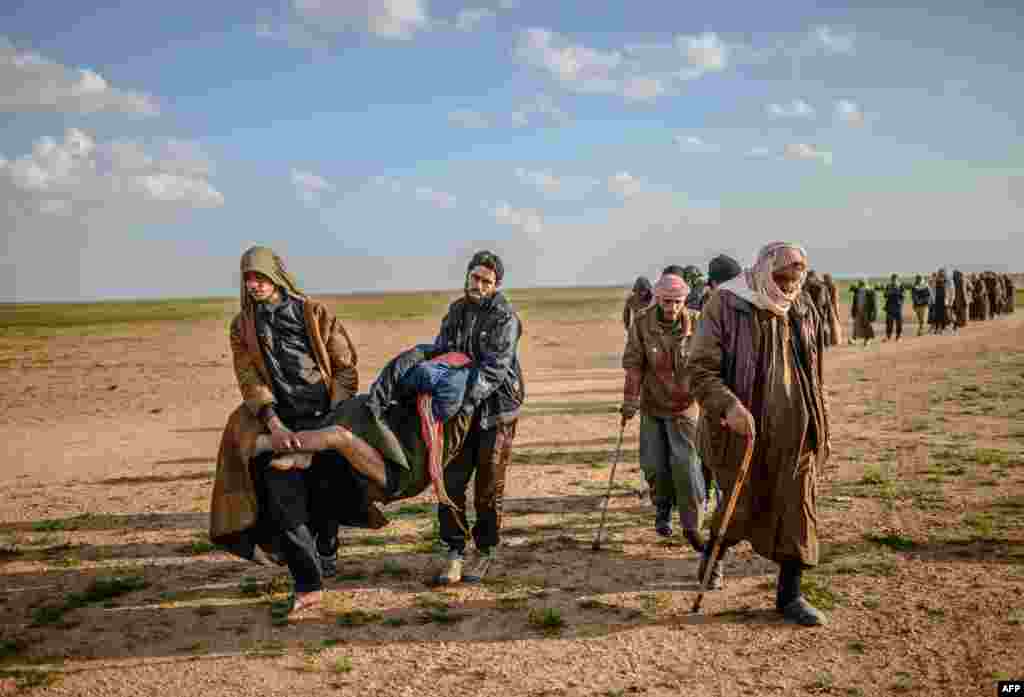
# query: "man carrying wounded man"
{"points": [[304, 453]]}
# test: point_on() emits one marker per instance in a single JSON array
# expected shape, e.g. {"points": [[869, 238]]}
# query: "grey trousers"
{"points": [[672, 466]]}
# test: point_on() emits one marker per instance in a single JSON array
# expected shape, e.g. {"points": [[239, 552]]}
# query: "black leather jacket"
{"points": [[488, 333]]}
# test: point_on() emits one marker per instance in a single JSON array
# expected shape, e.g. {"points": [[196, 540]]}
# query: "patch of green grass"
{"points": [[818, 593], [354, 574], [823, 682], [101, 589], [12, 647], [904, 683], [512, 601], [392, 568], [199, 545], [48, 319], [395, 621], [342, 665], [358, 618], [250, 587], [982, 525], [549, 620], [893, 540], [266, 649], [442, 615], [31, 679], [1016, 617], [857, 646], [374, 540], [991, 456]]}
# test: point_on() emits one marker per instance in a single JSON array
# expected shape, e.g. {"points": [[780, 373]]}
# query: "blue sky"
{"points": [[377, 143]]}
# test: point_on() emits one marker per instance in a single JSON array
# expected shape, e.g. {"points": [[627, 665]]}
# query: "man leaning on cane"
{"points": [[756, 368], [654, 359]]}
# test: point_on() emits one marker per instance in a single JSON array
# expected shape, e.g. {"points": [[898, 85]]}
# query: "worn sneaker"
{"points": [[484, 559], [801, 612], [452, 572]]}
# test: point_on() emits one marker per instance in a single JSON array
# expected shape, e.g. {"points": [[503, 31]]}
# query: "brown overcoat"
{"points": [[233, 505], [745, 354], [654, 360]]}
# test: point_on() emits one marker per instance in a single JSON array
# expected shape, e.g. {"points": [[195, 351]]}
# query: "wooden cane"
{"points": [[596, 545], [734, 496]]}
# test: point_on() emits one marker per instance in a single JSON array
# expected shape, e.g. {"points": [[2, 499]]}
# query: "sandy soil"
{"points": [[111, 443]]}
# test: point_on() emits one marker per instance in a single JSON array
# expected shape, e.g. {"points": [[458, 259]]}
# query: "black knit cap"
{"points": [[723, 268], [488, 260]]}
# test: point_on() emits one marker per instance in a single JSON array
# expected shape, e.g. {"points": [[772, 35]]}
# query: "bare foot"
{"points": [[306, 605]]}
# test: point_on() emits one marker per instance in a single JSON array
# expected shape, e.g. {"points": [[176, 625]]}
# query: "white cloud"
{"points": [[636, 72], [832, 42], [705, 52], [30, 82], [625, 185], [543, 180], [388, 19], [470, 18], [310, 187], [77, 173], [441, 199], [574, 65], [803, 151], [797, 109], [529, 221], [467, 118], [848, 112]]}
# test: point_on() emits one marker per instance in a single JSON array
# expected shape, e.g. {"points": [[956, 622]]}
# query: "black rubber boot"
{"points": [[793, 606], [662, 516]]}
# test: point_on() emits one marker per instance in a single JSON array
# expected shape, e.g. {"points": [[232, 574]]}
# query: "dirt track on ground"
{"points": [[111, 443]]}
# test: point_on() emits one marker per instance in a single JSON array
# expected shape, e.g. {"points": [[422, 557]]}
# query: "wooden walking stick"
{"points": [[596, 546], [716, 548]]}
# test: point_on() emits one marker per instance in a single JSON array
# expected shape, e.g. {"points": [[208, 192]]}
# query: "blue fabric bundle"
{"points": [[446, 385]]}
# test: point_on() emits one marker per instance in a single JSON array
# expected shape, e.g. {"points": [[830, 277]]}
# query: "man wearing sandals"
{"points": [[756, 370], [294, 363]]}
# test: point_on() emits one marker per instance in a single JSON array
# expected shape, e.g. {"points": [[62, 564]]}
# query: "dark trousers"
{"points": [[486, 453], [893, 322], [300, 510]]}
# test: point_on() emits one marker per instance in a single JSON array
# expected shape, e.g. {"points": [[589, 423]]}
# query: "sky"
{"points": [[375, 144]]}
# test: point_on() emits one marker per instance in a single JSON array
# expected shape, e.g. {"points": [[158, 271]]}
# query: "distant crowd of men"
{"points": [[941, 303]]}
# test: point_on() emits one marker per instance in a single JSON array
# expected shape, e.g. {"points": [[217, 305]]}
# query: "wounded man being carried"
{"points": [[389, 444]]}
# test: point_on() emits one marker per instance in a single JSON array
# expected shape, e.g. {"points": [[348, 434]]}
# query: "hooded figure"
{"points": [[294, 364], [756, 368], [961, 300], [864, 311], [638, 300], [943, 306], [834, 336], [822, 300]]}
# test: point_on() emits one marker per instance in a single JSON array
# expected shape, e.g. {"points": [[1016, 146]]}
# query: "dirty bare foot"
{"points": [[306, 605]]}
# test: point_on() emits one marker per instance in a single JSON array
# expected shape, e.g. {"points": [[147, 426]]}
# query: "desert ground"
{"points": [[112, 414]]}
